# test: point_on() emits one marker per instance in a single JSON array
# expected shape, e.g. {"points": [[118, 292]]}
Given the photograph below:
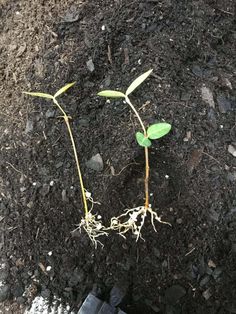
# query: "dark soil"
{"points": [[190, 45]]}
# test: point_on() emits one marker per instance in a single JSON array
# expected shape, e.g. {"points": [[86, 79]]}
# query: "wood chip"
{"points": [[109, 54], [211, 264], [194, 160], [126, 53]]}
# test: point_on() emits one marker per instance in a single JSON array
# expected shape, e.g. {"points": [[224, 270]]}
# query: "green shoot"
{"points": [[90, 223], [143, 138]]}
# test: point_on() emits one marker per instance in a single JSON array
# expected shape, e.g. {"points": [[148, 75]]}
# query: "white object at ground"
{"points": [[41, 306]]}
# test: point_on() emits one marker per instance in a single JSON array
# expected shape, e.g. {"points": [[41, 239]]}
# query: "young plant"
{"points": [[91, 223], [133, 219]]}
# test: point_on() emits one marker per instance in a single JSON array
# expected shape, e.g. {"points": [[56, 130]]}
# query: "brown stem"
{"points": [[146, 180]]}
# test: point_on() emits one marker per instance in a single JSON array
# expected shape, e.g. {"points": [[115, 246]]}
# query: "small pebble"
{"points": [[207, 294], [90, 65], [232, 150]]}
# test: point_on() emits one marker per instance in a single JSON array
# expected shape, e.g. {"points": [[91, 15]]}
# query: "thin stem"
{"points": [[66, 119], [146, 179], [137, 114]]}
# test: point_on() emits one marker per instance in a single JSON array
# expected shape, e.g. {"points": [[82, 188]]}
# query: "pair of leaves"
{"points": [[48, 96], [154, 132], [116, 94]]}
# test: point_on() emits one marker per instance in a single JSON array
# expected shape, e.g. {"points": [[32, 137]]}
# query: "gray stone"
{"points": [[4, 292], [207, 294], [63, 196], [232, 150], [45, 189], [174, 293], [212, 118], [50, 113], [231, 176], [83, 122], [95, 163], [223, 103], [90, 65], [29, 126], [59, 164], [213, 215], [198, 71], [207, 96]]}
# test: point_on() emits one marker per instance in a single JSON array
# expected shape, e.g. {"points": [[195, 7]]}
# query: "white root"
{"points": [[134, 223], [93, 226]]}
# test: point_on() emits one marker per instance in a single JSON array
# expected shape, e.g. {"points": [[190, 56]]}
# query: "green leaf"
{"points": [[63, 89], [39, 95], [158, 130], [137, 82], [142, 140], [111, 94]]}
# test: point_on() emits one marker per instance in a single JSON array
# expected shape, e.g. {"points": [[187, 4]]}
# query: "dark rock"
{"points": [[4, 274], [59, 164], [21, 300], [77, 277], [4, 292], [212, 118], [185, 96], [217, 272], [174, 293], [231, 176], [170, 309], [198, 71], [46, 293], [18, 290], [233, 247], [83, 122], [223, 103], [204, 281], [150, 304], [95, 163], [156, 252]]}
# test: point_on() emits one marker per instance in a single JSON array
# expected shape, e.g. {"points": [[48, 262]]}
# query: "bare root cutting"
{"points": [[92, 225], [136, 218]]}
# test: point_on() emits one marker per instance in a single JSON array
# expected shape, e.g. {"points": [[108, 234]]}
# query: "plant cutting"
{"points": [[133, 219], [91, 223]]}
